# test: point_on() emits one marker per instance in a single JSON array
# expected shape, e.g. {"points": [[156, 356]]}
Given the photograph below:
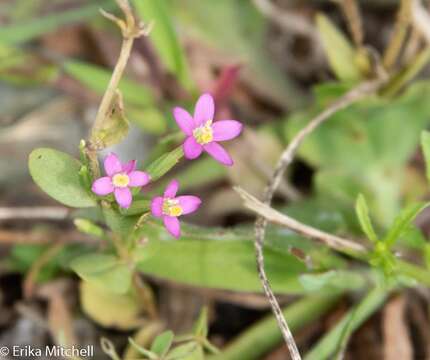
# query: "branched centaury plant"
{"points": [[354, 95], [80, 183]]}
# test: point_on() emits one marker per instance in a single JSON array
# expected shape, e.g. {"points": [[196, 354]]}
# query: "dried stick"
{"points": [[275, 217], [286, 158]]}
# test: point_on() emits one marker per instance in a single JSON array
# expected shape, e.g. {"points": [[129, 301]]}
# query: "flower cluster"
{"points": [[202, 134]]}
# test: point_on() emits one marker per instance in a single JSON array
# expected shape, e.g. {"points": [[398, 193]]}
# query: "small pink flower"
{"points": [[120, 177], [203, 133], [169, 207]]}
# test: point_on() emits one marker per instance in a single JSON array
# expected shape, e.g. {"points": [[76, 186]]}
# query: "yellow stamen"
{"points": [[120, 180], [204, 134], [171, 207]]}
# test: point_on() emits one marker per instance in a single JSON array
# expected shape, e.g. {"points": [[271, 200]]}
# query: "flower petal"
{"points": [[172, 225], [123, 197], [112, 164], [184, 120], [188, 203], [171, 189], [226, 129], [204, 110], [192, 149], [129, 167], [157, 206], [218, 153], [138, 178], [102, 186]]}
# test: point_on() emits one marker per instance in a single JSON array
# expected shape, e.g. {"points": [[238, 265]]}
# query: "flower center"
{"points": [[171, 207], [120, 180], [204, 134]]}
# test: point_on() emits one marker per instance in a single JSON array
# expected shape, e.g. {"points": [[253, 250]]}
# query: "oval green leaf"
{"points": [[105, 271], [57, 174]]}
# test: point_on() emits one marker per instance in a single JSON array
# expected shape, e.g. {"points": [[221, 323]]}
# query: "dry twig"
{"points": [[274, 216]]}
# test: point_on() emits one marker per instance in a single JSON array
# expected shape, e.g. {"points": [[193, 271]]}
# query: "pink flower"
{"points": [[120, 177], [169, 207], [203, 133]]}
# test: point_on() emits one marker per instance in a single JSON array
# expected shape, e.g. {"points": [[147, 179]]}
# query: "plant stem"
{"points": [[400, 30], [264, 335], [353, 16], [327, 346], [110, 93], [129, 31], [414, 271], [399, 80]]}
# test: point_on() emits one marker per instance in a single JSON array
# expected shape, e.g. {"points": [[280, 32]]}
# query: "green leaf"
{"points": [[327, 346], [162, 343], [164, 38], [88, 227], [403, 222], [139, 206], [339, 280], [119, 223], [201, 326], [57, 174], [254, 342], [425, 144], [141, 350], [341, 55], [362, 212], [105, 271], [189, 351], [97, 79], [114, 127], [406, 74], [164, 163], [22, 32], [111, 310], [197, 259], [354, 151], [201, 172], [151, 120]]}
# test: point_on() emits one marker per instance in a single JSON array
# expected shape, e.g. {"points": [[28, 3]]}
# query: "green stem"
{"points": [[109, 95], [406, 74], [327, 346], [399, 35], [129, 32], [263, 336], [414, 271]]}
